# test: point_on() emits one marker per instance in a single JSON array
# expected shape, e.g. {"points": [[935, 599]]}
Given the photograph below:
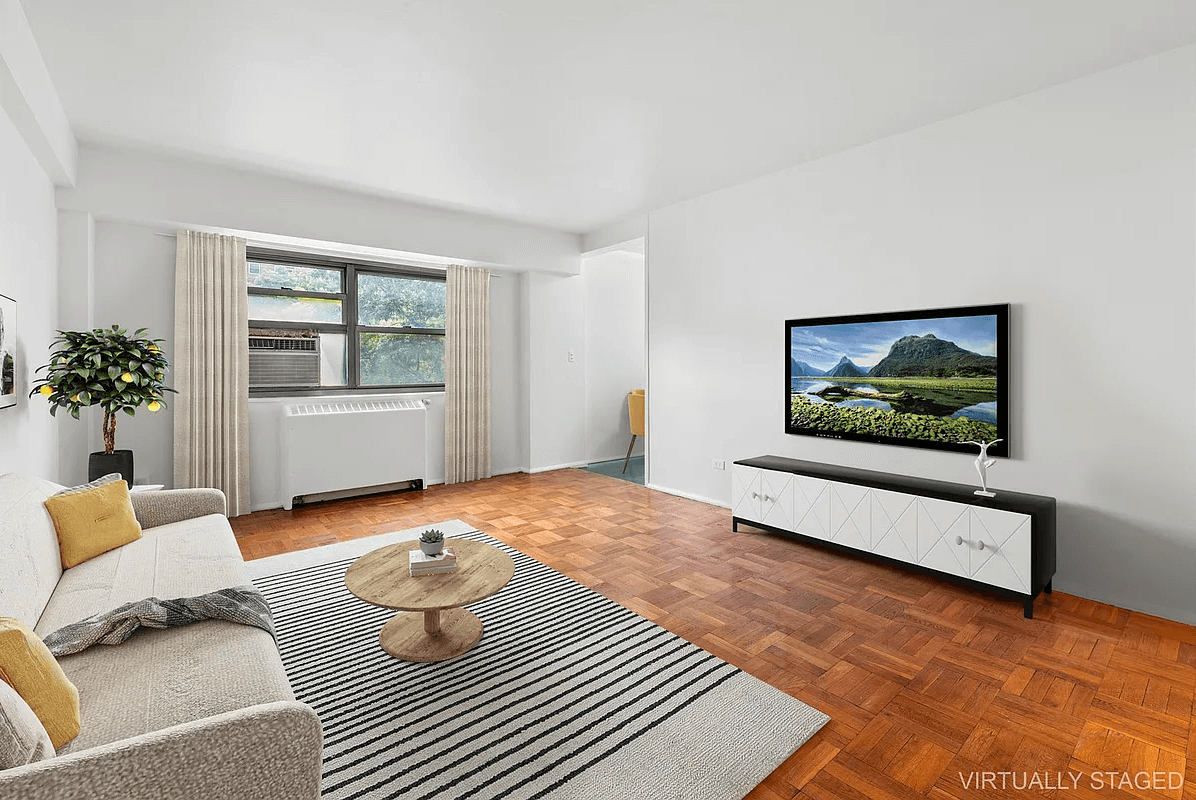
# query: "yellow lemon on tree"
{"points": [[75, 399], [154, 406], [153, 348], [127, 377], [47, 390]]}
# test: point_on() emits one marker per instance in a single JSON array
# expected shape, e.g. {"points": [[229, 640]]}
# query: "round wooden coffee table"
{"points": [[446, 630]]}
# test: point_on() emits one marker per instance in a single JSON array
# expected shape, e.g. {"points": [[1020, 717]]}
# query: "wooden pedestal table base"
{"points": [[444, 630], [432, 636]]}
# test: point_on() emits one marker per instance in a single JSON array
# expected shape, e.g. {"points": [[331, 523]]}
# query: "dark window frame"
{"points": [[349, 270]]}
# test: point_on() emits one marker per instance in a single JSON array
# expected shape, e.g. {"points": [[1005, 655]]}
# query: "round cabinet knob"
{"points": [[755, 495], [765, 498], [981, 545], [959, 540]]}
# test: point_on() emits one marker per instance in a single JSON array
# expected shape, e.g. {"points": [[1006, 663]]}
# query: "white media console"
{"points": [[1004, 543]]}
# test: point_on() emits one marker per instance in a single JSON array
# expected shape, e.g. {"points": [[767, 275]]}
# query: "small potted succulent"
{"points": [[431, 542]]}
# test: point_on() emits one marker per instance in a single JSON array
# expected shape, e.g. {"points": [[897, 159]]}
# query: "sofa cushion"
{"points": [[30, 564], [181, 559], [160, 678], [27, 666], [93, 519], [23, 738]]}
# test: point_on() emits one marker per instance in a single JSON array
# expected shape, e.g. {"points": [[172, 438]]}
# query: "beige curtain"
{"points": [[211, 367], [467, 376]]}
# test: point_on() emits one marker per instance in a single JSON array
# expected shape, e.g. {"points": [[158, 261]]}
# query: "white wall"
{"points": [[556, 308], [133, 280], [616, 235], [615, 350], [134, 288], [508, 434], [1077, 204], [143, 188], [134, 195], [113, 273], [76, 312], [29, 99], [29, 275]]}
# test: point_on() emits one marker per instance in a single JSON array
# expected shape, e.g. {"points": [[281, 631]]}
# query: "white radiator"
{"points": [[331, 447]]}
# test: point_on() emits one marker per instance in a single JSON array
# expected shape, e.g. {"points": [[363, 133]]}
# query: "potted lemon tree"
{"points": [[109, 368]]}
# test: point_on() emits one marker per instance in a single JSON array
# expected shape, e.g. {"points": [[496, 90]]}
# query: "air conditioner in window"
{"points": [[284, 361]]}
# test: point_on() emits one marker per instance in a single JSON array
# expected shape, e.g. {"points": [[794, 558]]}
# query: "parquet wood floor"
{"points": [[925, 682]]}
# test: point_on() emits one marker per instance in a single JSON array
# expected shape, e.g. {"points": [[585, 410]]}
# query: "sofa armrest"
{"points": [[175, 505], [270, 751]]}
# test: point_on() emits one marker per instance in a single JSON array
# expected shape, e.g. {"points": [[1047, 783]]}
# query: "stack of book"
{"points": [[424, 564]]}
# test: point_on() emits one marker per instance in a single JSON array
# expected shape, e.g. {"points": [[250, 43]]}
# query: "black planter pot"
{"points": [[101, 464]]}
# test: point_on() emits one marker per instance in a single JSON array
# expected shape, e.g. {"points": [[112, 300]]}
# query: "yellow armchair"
{"points": [[635, 411]]}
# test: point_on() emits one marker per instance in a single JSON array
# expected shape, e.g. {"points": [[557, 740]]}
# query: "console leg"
{"points": [[1028, 607], [1047, 588], [734, 525]]}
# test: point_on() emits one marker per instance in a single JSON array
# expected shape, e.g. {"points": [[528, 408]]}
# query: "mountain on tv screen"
{"points": [[935, 378]]}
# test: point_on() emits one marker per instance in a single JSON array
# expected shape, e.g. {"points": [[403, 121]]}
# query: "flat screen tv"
{"points": [[934, 378]]}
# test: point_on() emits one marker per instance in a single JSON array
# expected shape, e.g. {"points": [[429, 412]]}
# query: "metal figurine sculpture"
{"points": [[983, 462]]}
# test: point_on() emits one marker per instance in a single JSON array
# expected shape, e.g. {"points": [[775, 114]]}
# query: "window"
{"points": [[380, 327]]}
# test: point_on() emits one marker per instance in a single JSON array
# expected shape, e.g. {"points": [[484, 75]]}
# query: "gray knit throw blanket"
{"points": [[242, 604]]}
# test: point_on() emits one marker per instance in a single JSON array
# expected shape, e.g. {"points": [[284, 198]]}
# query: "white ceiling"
{"points": [[564, 113]]}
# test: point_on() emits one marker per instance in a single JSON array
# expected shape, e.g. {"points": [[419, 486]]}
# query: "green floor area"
{"points": [[634, 474]]}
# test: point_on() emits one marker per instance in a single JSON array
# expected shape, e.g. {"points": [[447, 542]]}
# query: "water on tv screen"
{"points": [[934, 378]]}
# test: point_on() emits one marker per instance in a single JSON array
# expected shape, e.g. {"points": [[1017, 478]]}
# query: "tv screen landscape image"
{"points": [[935, 378]]}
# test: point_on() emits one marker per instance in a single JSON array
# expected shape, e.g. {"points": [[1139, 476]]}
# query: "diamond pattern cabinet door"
{"points": [[895, 525], [776, 495], [1005, 559], [811, 506], [851, 516], [939, 524], [745, 482]]}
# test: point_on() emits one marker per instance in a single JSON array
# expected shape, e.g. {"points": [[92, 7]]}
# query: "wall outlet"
{"points": [[719, 464]]}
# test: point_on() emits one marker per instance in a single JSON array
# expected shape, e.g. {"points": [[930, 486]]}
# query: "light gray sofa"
{"points": [[202, 711]]}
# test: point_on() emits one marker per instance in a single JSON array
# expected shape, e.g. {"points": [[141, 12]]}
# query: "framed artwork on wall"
{"points": [[8, 352]]}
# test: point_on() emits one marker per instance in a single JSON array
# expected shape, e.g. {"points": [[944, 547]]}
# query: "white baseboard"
{"points": [[677, 493], [571, 464], [272, 504], [509, 471]]}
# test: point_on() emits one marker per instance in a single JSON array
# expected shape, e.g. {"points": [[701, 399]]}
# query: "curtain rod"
{"points": [[493, 273]]}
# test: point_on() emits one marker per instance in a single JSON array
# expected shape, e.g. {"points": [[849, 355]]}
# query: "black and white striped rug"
{"points": [[567, 695]]}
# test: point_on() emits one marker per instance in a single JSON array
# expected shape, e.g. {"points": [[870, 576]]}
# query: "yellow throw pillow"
{"points": [[27, 666], [93, 520]]}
